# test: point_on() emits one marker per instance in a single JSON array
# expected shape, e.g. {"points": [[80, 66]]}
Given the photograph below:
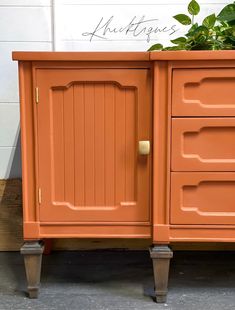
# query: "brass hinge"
{"points": [[37, 94], [39, 195]]}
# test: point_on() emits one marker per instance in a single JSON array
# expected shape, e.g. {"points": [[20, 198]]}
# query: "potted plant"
{"points": [[215, 32]]}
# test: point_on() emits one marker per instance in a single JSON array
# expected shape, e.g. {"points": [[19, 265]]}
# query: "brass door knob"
{"points": [[144, 147]]}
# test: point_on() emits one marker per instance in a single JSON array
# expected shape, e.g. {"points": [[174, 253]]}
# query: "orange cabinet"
{"points": [[127, 145], [86, 132], [194, 150], [84, 119]]}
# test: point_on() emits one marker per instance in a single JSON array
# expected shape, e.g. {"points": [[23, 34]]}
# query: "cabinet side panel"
{"points": [[27, 141]]}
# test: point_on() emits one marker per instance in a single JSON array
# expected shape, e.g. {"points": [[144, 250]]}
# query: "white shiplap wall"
{"points": [[60, 25], [24, 25], [76, 19]]}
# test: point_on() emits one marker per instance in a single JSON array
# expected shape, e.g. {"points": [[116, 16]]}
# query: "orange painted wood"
{"points": [[80, 56], [128, 56], [99, 153], [31, 230], [192, 55], [202, 198], [202, 233], [195, 203], [80, 145], [203, 92], [95, 231], [161, 148], [203, 144], [27, 143]]}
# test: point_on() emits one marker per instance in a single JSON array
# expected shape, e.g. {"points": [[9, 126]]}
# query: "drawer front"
{"points": [[203, 144], [202, 198], [203, 92]]}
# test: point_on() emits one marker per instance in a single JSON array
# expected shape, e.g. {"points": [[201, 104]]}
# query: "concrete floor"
{"points": [[116, 280]]}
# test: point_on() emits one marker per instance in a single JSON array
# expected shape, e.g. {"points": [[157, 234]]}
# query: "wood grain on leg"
{"points": [[32, 252], [161, 256]]}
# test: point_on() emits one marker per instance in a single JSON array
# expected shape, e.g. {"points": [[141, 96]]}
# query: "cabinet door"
{"points": [[203, 92], [89, 122], [202, 198]]}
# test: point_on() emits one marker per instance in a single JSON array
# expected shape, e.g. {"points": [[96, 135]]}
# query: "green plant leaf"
{"points": [[224, 23], [183, 19], [193, 7], [191, 30], [156, 47], [209, 21], [201, 30], [227, 13], [174, 48], [179, 40]]}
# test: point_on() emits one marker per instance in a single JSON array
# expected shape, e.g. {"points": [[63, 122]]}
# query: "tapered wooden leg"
{"points": [[161, 255], [32, 251]]}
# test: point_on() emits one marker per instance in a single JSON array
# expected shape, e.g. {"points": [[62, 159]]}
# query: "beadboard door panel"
{"points": [[89, 125]]}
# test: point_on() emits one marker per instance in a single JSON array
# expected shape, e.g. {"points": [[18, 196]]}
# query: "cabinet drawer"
{"points": [[203, 92], [203, 144], [202, 198]]}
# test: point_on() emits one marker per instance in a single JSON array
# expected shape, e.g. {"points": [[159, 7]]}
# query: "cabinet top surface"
{"points": [[124, 56], [193, 55], [81, 56]]}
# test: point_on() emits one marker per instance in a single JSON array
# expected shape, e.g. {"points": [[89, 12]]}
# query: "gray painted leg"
{"points": [[32, 251], [161, 255]]}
